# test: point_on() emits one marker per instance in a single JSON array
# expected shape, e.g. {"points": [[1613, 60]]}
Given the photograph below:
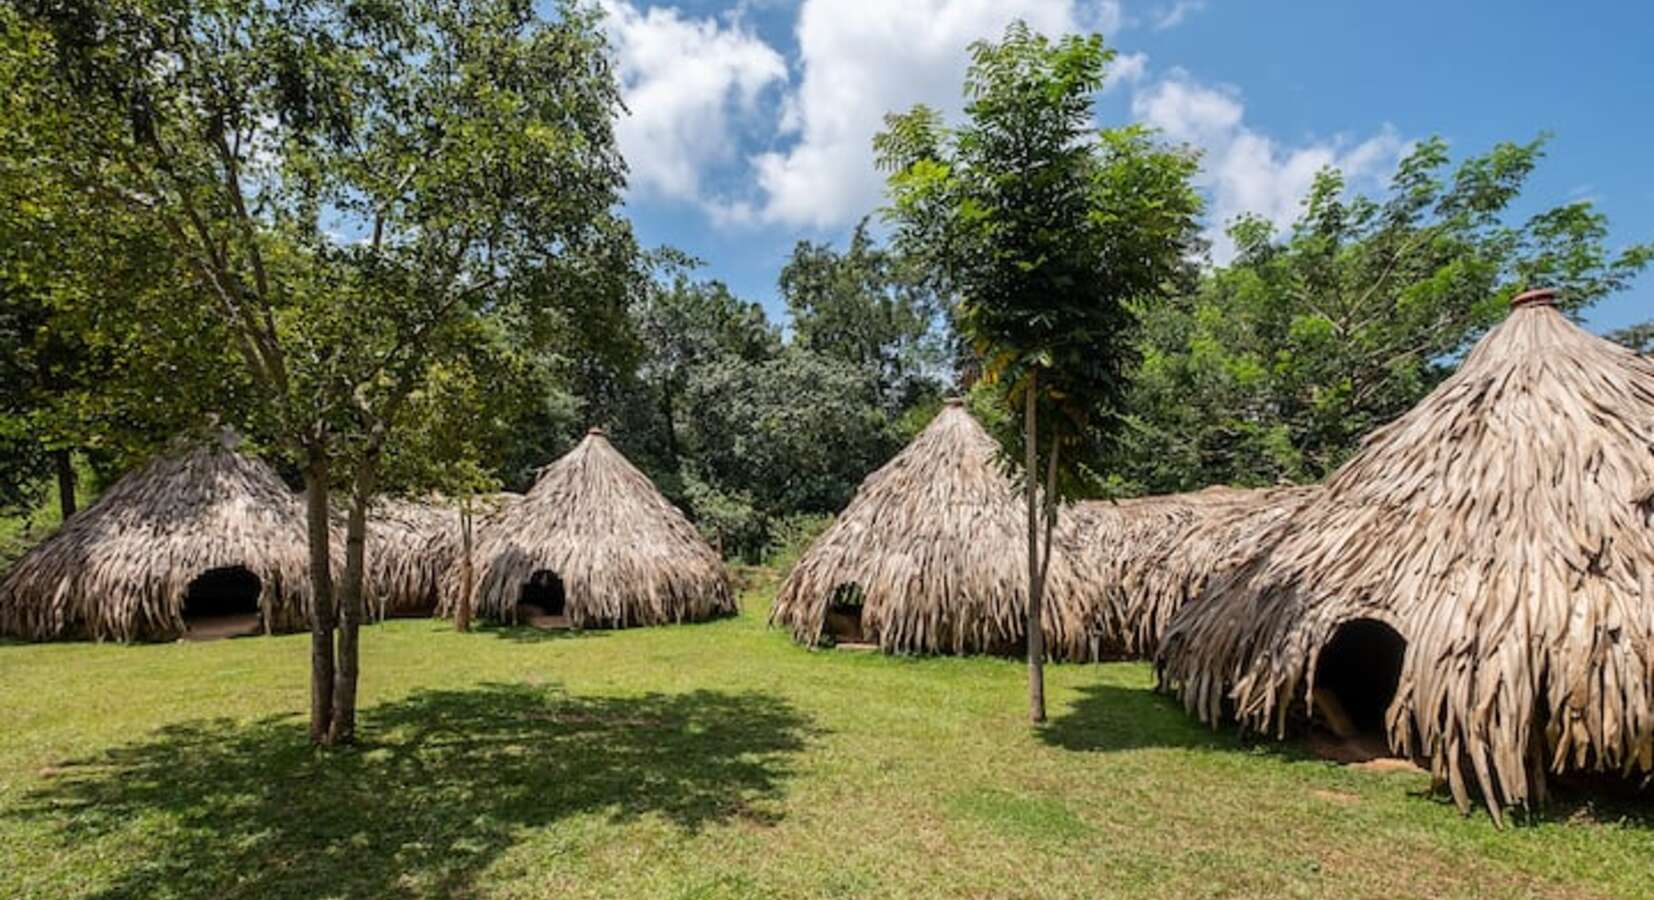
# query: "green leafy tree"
{"points": [[868, 309], [1277, 365], [79, 375], [685, 325], [1638, 337], [769, 439], [352, 186], [1048, 235]]}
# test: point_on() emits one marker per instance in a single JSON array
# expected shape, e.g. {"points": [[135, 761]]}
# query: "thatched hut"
{"points": [[931, 555], [595, 542], [410, 548], [1476, 584], [1143, 559], [201, 540]]}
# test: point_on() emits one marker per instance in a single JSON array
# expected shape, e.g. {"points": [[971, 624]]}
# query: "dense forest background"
{"points": [[1266, 369]]}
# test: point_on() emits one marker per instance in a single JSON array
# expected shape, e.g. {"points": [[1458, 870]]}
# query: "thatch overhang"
{"points": [[120, 568], [1143, 559], [621, 553], [411, 545], [1502, 530], [934, 545]]}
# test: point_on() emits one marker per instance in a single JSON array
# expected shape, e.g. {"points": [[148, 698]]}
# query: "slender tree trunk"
{"points": [[321, 589], [462, 613], [343, 729], [1036, 633], [671, 423], [65, 465]]}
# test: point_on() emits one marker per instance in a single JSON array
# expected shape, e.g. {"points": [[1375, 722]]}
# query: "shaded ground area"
{"points": [[447, 783]]}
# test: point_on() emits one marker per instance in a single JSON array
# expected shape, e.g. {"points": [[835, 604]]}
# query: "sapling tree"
{"points": [[1047, 234]]}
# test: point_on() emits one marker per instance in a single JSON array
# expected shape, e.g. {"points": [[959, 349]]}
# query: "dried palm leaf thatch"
{"points": [[1142, 559], [120, 568], [486, 512], [624, 554], [410, 548], [934, 545], [1503, 529]]}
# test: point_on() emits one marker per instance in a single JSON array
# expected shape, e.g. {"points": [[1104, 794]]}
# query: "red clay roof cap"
{"points": [[1535, 297], [598, 430], [954, 401]]}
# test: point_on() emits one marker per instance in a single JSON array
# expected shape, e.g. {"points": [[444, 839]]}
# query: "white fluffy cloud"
{"points": [[687, 82], [1244, 171], [859, 59], [1173, 15]]}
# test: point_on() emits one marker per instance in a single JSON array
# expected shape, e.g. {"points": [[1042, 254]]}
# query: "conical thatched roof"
{"points": [[625, 555], [936, 541], [410, 548], [119, 568], [1503, 529], [1141, 560]]}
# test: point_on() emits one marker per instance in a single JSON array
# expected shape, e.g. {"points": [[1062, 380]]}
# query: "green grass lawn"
{"points": [[714, 760]]}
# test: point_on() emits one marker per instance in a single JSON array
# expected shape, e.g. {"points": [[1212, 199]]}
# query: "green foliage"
{"points": [[866, 308], [1638, 337], [790, 434], [1047, 236], [1277, 365]]}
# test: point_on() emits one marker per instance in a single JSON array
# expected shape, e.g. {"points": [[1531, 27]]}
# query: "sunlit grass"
{"points": [[714, 760]]}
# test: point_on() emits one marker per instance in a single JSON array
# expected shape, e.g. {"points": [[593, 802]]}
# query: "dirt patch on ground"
{"points": [[1341, 798], [535, 617], [217, 628], [1367, 752]]}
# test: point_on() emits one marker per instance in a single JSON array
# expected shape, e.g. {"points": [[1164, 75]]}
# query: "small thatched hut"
{"points": [[594, 541], [208, 534], [1141, 560], [931, 555], [1477, 583], [410, 549]]}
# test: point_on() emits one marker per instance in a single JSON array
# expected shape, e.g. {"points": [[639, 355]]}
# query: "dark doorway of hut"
{"points": [[843, 625], [543, 602], [1355, 680], [222, 603]]}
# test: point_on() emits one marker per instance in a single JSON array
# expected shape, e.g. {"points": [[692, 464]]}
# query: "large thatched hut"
{"points": [[1477, 583], [595, 542], [204, 539], [410, 548], [1141, 560], [931, 555]]}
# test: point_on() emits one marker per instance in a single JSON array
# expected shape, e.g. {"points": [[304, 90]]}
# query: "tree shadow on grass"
{"points": [[1109, 718], [528, 634], [450, 781]]}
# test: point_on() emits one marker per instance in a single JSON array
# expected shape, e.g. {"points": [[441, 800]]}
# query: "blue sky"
{"points": [[750, 122]]}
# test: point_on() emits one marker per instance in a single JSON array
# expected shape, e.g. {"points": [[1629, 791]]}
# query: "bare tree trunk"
{"points": [[462, 613], [350, 605], [1036, 633], [65, 482], [321, 590]]}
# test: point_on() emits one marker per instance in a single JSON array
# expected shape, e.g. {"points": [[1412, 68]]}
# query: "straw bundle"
{"points": [[1142, 559], [119, 569], [410, 547], [936, 542], [1503, 529], [626, 556]]}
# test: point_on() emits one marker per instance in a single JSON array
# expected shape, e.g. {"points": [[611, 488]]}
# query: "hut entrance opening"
{"points": [[843, 623], [1357, 675], [543, 598], [222, 602]]}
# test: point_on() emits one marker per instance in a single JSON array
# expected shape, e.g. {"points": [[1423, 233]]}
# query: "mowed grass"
{"points": [[714, 760]]}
